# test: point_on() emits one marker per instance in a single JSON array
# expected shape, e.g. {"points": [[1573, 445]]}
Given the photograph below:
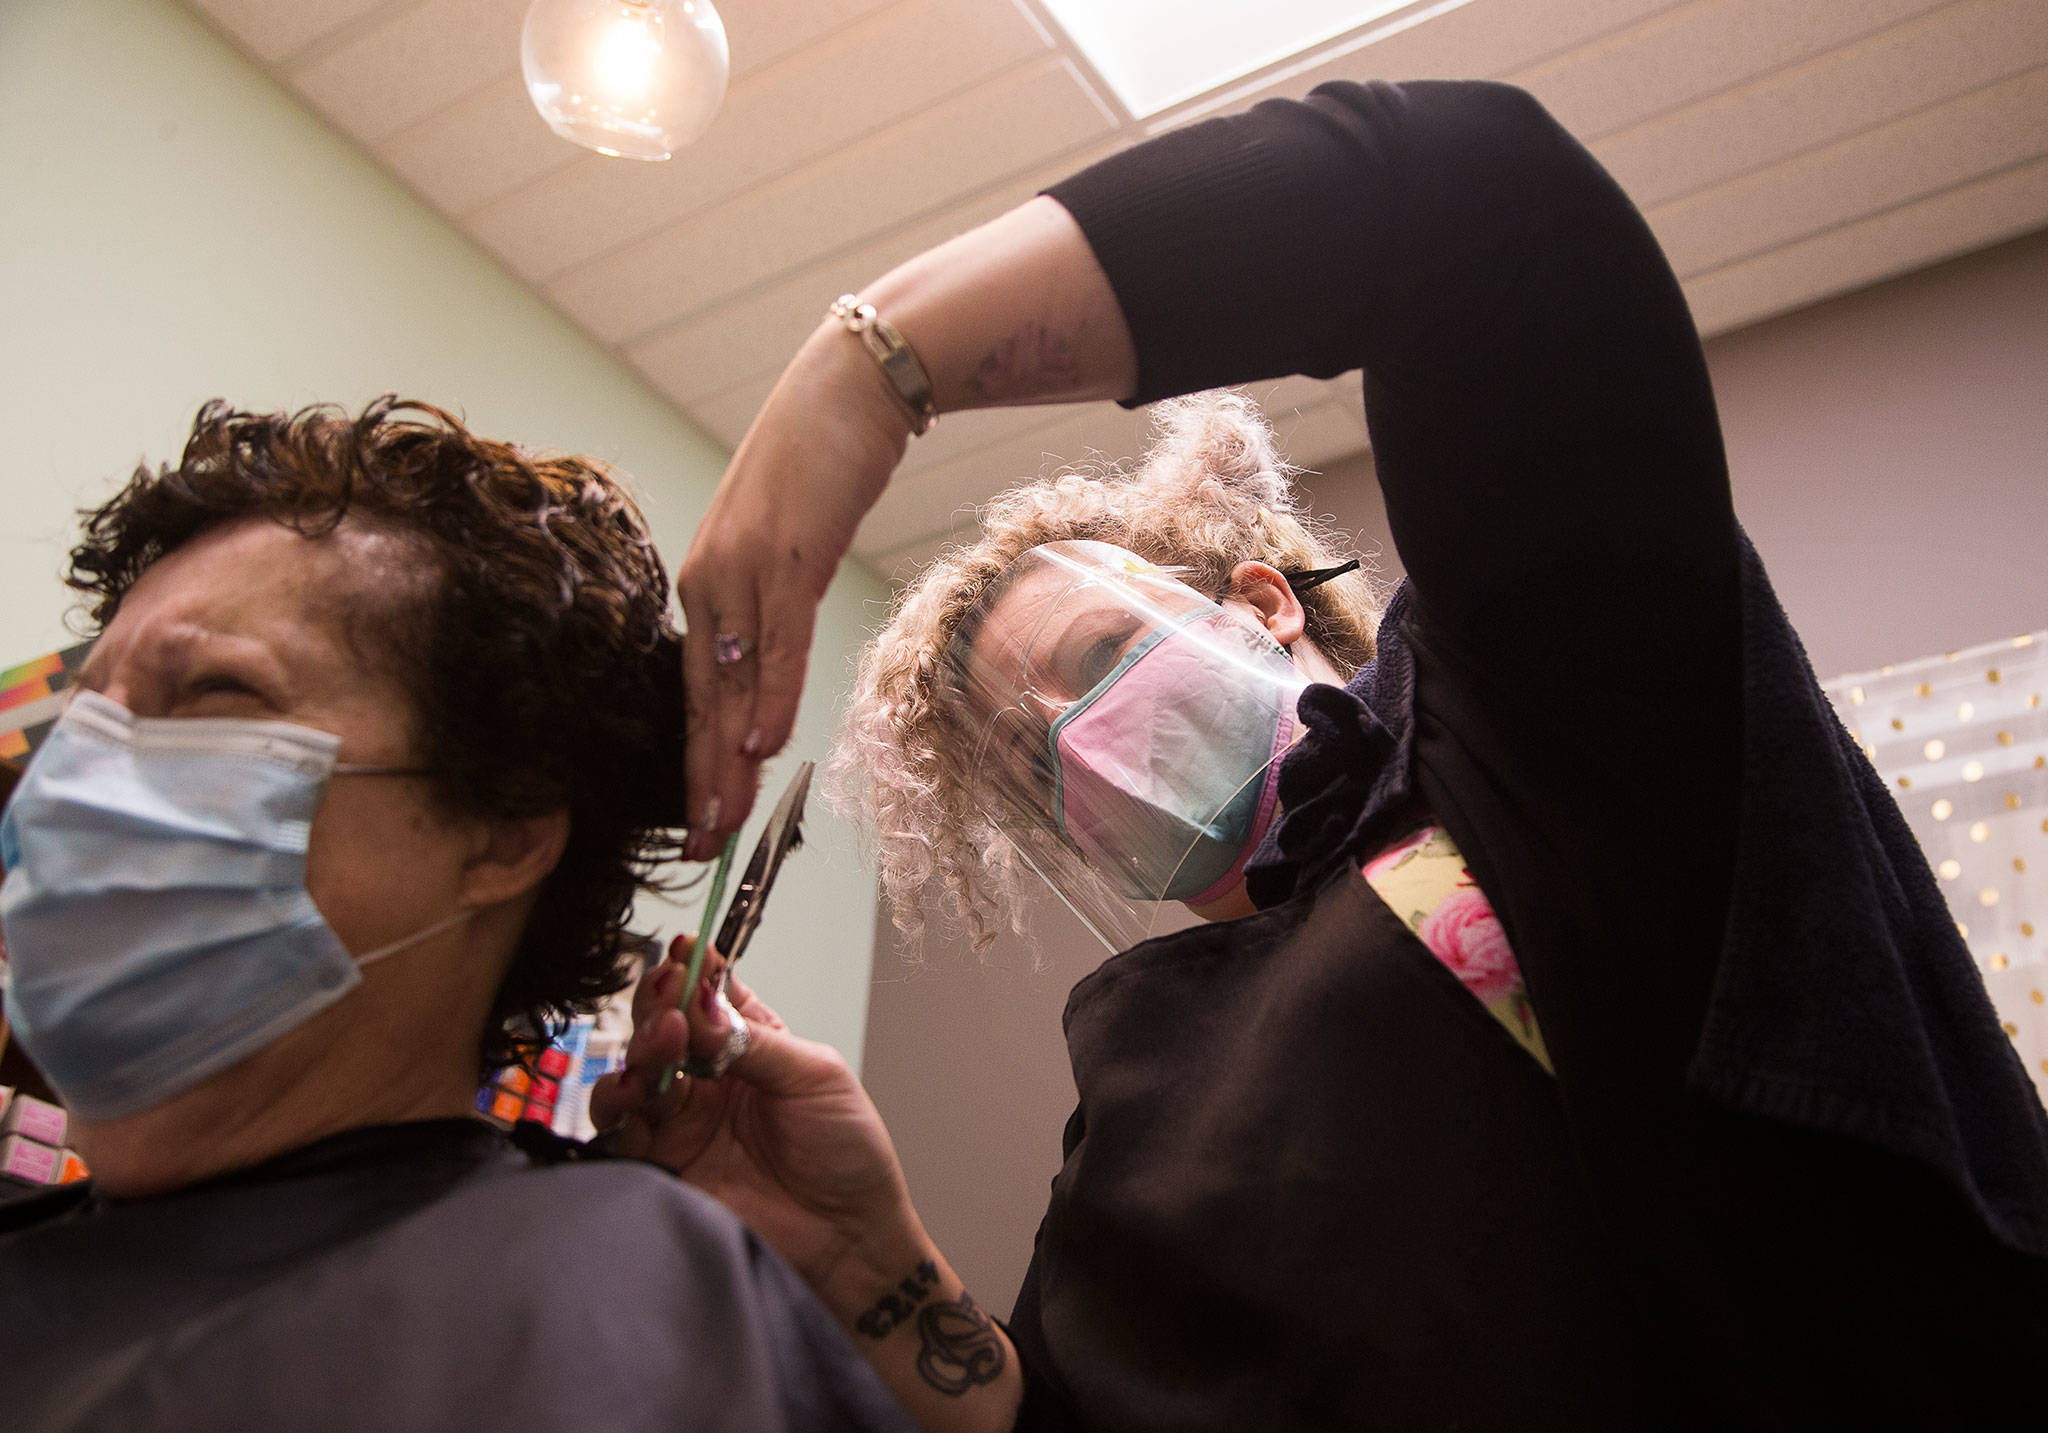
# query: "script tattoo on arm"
{"points": [[961, 1349], [896, 1307], [1034, 360]]}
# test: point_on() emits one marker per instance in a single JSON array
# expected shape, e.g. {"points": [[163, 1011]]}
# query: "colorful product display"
{"points": [[556, 1090], [31, 1163], [32, 1148], [35, 1119], [31, 694]]}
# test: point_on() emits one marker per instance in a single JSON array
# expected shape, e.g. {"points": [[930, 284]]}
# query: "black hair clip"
{"points": [[1302, 582]]}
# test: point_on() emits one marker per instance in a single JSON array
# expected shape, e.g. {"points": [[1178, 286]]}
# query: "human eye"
{"points": [[219, 691], [1098, 661], [221, 682], [1091, 651]]}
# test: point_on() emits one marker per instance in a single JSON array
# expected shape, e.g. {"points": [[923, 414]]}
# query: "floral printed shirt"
{"points": [[1424, 880]]}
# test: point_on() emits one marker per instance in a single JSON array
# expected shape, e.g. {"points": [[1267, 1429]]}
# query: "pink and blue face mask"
{"points": [[1166, 773], [1133, 730]]}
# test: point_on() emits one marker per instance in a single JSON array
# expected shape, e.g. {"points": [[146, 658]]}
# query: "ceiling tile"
{"points": [[1896, 72], [1309, 434], [1786, 149], [870, 74], [479, 147], [962, 435], [939, 498], [273, 29], [758, 333], [1968, 217], [903, 564], [1690, 54], [1976, 135], [760, 32], [420, 59], [945, 153]]}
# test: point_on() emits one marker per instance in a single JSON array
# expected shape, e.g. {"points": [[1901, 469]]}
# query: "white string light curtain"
{"points": [[1962, 740]]}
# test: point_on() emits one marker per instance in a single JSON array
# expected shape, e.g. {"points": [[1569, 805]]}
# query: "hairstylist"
{"points": [[1799, 1172]]}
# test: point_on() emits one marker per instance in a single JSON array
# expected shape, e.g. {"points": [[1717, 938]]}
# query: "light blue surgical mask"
{"points": [[157, 922]]}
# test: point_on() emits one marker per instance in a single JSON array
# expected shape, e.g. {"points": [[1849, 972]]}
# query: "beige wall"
{"points": [[174, 227], [1888, 451]]}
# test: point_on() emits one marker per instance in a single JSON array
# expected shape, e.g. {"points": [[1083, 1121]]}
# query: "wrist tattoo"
{"points": [[1031, 361], [897, 1306], [961, 1348]]}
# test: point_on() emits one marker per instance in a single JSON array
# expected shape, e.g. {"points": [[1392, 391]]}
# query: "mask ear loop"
{"points": [[418, 937], [354, 768]]}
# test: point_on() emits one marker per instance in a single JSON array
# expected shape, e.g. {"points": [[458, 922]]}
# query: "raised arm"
{"points": [[1543, 424], [1014, 312], [1542, 419]]}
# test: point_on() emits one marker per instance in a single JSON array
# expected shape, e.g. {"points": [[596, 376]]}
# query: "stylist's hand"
{"points": [[787, 1138], [815, 460], [789, 1141], [1016, 311]]}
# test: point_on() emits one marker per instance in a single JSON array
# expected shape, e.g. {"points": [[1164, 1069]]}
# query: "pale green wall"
{"points": [[173, 226]]}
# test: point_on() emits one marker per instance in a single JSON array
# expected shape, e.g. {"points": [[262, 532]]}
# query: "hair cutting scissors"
{"points": [[742, 919]]}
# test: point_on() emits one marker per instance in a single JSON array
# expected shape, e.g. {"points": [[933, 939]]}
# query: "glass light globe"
{"points": [[637, 79]]}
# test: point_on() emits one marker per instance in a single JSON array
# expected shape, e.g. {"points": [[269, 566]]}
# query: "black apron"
{"points": [[1312, 1183]]}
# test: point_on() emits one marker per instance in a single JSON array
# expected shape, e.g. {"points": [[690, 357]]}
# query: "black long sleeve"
{"points": [[1545, 436], [1541, 412], [1755, 1002]]}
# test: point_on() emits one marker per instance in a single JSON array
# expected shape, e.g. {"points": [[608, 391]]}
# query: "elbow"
{"points": [[1504, 133]]}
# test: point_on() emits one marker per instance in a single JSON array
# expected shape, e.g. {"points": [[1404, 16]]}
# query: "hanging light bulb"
{"points": [[637, 79]]}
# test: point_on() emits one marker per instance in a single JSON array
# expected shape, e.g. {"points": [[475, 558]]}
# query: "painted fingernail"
{"points": [[753, 744]]}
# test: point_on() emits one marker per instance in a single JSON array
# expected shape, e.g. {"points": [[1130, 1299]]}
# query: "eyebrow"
{"points": [[955, 651]]}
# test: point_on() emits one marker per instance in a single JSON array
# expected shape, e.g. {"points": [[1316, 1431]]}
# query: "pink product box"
{"points": [[27, 1161], [40, 1120]]}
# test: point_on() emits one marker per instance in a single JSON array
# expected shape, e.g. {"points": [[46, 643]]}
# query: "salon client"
{"points": [[365, 763], [1766, 1160]]}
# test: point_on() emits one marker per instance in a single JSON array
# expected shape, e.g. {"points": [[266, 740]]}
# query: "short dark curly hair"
{"points": [[545, 668]]}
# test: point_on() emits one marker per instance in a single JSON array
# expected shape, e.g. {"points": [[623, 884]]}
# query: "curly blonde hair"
{"points": [[1211, 492]]}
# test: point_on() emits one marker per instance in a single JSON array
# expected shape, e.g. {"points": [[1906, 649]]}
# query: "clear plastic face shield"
{"points": [[1127, 731]]}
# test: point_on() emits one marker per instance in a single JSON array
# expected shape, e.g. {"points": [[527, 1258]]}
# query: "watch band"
{"points": [[895, 357]]}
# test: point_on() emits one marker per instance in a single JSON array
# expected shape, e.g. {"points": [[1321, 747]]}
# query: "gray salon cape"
{"points": [[417, 1276]]}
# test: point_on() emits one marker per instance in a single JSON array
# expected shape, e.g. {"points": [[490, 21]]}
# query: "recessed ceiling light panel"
{"points": [[1156, 53]]}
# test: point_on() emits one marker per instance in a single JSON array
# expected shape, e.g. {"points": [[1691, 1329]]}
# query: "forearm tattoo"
{"points": [[961, 1348], [958, 1346], [1031, 362], [898, 1305]]}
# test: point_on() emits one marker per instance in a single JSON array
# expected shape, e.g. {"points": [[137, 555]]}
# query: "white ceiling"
{"points": [[1784, 151]]}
